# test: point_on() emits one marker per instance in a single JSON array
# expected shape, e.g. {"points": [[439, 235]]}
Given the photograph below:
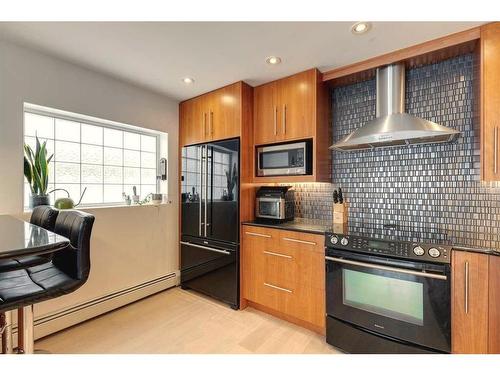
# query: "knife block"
{"points": [[339, 214]]}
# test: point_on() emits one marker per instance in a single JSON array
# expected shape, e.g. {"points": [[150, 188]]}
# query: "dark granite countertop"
{"points": [[477, 250], [320, 227], [297, 225]]}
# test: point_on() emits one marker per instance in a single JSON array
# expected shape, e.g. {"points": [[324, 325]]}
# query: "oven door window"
{"points": [[393, 298], [269, 209]]}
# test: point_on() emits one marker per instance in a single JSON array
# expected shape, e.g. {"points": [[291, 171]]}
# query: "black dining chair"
{"points": [[67, 271], [42, 216]]}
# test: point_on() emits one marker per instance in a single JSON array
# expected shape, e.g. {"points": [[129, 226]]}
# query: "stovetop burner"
{"points": [[393, 240]]}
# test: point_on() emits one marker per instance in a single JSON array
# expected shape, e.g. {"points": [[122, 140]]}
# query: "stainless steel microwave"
{"points": [[287, 159]]}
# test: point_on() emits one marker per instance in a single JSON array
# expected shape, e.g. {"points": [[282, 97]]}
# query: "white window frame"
{"points": [[83, 119]]}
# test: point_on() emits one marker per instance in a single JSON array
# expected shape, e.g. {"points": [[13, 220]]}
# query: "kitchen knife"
{"points": [[341, 197], [335, 197]]}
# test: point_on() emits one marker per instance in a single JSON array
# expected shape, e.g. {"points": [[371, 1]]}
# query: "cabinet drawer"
{"points": [[259, 233], [285, 271], [308, 250]]}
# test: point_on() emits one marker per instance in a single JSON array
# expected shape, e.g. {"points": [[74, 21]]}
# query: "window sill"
{"points": [[107, 207]]}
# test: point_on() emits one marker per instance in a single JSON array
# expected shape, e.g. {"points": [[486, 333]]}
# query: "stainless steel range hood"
{"points": [[392, 126]]}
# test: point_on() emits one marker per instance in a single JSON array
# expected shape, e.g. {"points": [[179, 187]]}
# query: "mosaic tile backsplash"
{"points": [[434, 189]]}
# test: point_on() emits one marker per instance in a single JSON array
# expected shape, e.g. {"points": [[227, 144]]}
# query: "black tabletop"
{"points": [[19, 238]]}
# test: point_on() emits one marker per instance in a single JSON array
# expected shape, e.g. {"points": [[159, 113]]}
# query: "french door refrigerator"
{"points": [[210, 220]]}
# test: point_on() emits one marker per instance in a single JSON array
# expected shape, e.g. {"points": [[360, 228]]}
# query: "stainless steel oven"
{"points": [[288, 159], [381, 304]]}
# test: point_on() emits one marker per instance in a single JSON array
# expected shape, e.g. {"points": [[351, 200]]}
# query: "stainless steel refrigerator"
{"points": [[210, 220]]}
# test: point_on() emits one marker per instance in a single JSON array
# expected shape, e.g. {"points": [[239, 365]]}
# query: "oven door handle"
{"points": [[385, 268]]}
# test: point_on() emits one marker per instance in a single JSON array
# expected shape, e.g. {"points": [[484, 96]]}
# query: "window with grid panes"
{"points": [[107, 160]]}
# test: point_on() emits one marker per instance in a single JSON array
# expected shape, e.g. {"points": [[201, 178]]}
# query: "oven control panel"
{"points": [[399, 249]]}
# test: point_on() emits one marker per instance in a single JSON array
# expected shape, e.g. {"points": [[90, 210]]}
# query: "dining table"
{"points": [[20, 239]]}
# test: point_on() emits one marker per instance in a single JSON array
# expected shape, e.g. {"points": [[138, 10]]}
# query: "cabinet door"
{"points": [[490, 81], [254, 240], [308, 301], [297, 106], [494, 305], [265, 114], [224, 112], [469, 303], [192, 121]]}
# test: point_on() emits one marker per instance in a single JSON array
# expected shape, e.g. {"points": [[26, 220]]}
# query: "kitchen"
{"points": [[337, 198], [397, 203]]}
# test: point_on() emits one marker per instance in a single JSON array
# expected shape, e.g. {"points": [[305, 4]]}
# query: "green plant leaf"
{"points": [[42, 162], [28, 173]]}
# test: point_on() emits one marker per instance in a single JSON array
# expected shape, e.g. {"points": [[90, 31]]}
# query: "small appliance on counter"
{"points": [[275, 203], [285, 159]]}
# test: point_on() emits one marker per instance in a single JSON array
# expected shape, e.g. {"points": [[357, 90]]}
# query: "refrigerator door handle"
{"points": [[200, 198], [206, 188]]}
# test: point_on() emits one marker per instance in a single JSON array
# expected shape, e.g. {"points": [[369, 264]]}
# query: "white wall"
{"points": [[130, 245]]}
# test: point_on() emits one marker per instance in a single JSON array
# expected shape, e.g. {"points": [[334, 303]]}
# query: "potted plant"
{"points": [[232, 179], [36, 171]]}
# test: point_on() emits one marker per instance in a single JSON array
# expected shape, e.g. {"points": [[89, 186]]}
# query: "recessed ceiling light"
{"points": [[360, 27], [273, 60], [188, 80]]}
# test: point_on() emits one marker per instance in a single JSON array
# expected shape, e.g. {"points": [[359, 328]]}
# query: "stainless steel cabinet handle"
{"points": [[275, 120], [278, 288], [205, 248], [211, 122], [466, 287], [277, 254], [300, 241], [495, 153], [385, 268], [284, 118], [204, 123], [258, 234]]}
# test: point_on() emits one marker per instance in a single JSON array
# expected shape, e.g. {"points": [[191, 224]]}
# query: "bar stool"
{"points": [[67, 271]]}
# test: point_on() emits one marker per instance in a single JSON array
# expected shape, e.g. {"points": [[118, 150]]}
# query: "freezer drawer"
{"points": [[211, 270]]}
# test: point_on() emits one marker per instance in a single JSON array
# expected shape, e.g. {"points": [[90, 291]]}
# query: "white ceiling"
{"points": [[157, 55]]}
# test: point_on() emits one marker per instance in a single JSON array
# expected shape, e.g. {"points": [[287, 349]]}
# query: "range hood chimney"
{"points": [[392, 126]]}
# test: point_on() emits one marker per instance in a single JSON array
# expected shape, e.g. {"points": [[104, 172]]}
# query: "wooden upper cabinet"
{"points": [[297, 96], [490, 102], [469, 303], [192, 121], [213, 116], [291, 109], [224, 112], [265, 113], [286, 109]]}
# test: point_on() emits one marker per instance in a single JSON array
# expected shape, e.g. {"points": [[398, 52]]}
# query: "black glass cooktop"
{"points": [[398, 232]]}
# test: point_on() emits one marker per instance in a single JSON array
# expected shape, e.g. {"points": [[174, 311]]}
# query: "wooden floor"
{"points": [[178, 321]]}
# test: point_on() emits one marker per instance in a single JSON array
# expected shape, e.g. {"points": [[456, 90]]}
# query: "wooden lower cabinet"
{"points": [[475, 303], [494, 305], [469, 303], [284, 272]]}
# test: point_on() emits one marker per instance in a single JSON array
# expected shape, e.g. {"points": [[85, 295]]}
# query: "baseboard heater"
{"points": [[59, 320]]}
